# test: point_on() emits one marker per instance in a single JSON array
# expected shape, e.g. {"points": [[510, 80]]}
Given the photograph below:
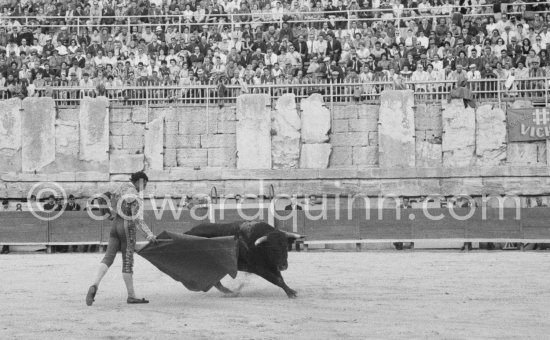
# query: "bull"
{"points": [[263, 250]]}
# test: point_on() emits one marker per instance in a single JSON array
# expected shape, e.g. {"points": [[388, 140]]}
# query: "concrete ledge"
{"points": [[58, 177], [222, 174]]}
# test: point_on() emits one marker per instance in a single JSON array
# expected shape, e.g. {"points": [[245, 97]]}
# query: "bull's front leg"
{"points": [[277, 279], [222, 288]]}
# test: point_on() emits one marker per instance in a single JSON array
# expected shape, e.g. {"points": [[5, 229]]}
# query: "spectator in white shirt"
{"points": [[420, 76], [473, 73], [270, 58], [423, 40], [277, 11]]}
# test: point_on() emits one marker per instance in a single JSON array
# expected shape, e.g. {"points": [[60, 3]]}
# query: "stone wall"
{"points": [[311, 147], [354, 136]]}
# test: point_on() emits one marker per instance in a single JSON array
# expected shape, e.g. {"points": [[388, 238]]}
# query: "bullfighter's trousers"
{"points": [[122, 237]]}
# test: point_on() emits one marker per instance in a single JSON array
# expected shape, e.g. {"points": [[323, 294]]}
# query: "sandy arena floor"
{"points": [[442, 295]]}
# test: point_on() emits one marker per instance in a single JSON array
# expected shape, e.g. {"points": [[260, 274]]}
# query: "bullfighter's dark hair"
{"points": [[138, 175]]}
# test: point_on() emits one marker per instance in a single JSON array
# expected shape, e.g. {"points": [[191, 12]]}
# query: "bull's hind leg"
{"points": [[277, 279], [223, 289]]}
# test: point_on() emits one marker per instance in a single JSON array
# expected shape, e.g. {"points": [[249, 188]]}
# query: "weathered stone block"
{"points": [[462, 186], [115, 142], [192, 123], [119, 115], [428, 154], [10, 135], [428, 117], [434, 134], [345, 112], [521, 153], [170, 158], [340, 125], [125, 164], [227, 113], [221, 157], [458, 143], [373, 138], [341, 156], [420, 134], [133, 142], [154, 148], [70, 115], [253, 137], [286, 125], [166, 113], [38, 133], [396, 129], [188, 142], [140, 114], [127, 129], [315, 120], [370, 112], [190, 158], [171, 127], [363, 125], [67, 138], [350, 139], [228, 126], [129, 151], [94, 130], [218, 141], [365, 156], [171, 141], [459, 158], [490, 135], [526, 186], [315, 156]]}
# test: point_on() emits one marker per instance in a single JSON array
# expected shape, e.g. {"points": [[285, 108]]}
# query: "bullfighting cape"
{"points": [[197, 262]]}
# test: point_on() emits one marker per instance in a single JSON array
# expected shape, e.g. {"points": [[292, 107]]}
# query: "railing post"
{"points": [[499, 93], [331, 96], [147, 100], [546, 79]]}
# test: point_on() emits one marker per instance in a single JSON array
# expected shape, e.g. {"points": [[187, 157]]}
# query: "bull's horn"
{"points": [[293, 235], [260, 240]]}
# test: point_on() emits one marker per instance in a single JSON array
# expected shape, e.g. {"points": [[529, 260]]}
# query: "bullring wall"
{"points": [[398, 147]]}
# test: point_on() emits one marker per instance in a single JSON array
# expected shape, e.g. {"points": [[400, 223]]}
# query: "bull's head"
{"points": [[276, 247]]}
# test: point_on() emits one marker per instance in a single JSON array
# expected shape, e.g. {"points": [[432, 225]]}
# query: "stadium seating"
{"points": [[101, 46]]}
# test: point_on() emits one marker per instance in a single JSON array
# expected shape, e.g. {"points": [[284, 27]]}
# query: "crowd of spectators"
{"points": [[122, 43]]}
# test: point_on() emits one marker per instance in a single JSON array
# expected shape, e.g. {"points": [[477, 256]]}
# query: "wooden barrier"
{"points": [[180, 223], [232, 215], [22, 228], [460, 224], [535, 223], [75, 227], [321, 227], [330, 225], [292, 221]]}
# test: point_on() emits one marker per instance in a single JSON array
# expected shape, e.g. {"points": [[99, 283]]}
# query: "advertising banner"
{"points": [[528, 124]]}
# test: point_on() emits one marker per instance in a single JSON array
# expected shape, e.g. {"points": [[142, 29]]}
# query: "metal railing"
{"points": [[494, 90], [261, 18]]}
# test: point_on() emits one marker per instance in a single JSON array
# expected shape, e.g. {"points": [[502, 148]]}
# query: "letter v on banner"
{"points": [[528, 124]]}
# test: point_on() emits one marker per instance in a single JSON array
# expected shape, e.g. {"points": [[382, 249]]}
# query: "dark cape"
{"points": [[197, 262]]}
